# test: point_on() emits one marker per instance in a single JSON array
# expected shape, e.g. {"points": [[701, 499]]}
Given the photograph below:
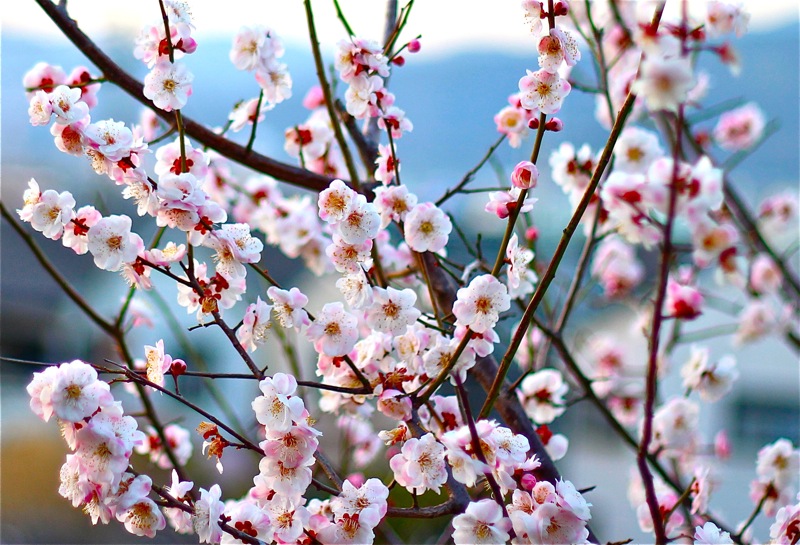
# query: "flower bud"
{"points": [[399, 60], [561, 8], [554, 124], [533, 123], [525, 175], [177, 368], [531, 234], [414, 46]]}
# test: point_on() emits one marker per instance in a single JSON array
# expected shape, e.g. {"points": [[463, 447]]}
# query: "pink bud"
{"points": [[561, 8], [533, 123], [414, 46], [528, 481], [398, 60], [525, 175], [177, 368], [314, 99], [357, 479], [722, 447], [531, 234], [554, 124]]}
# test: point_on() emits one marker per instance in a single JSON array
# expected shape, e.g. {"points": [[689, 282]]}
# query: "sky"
{"points": [[444, 24]]}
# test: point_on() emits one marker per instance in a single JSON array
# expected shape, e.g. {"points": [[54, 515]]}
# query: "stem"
{"points": [[252, 139], [326, 90], [561, 249]]}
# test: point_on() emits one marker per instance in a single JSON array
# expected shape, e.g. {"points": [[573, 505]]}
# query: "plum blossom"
{"points": [[543, 91], [392, 310], [67, 105], [683, 300], [525, 175], [710, 534], [75, 233], [711, 379], [255, 325], [394, 203], [542, 395], [52, 213], [112, 244], [288, 307], [675, 425], [664, 83], [40, 109], [723, 17], [479, 305], [334, 332], [786, 528], [502, 203], [207, 511], [76, 393], [427, 228], [557, 48], [741, 128], [168, 85], [636, 150], [279, 406], [420, 465], [481, 523]]}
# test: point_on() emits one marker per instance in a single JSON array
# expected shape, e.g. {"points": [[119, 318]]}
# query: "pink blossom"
{"points": [[675, 426], [723, 17], [43, 76], [77, 393], [40, 110], [287, 516], [111, 138], [168, 160], [741, 128], [168, 85], [765, 276], [52, 213], [543, 91], [481, 523], [207, 511], [76, 231], [479, 305], [711, 379], [502, 203], [279, 406], [786, 528], [710, 534], [334, 332], [360, 223], [542, 395], [683, 301], [255, 325], [427, 228], [112, 244], [157, 362], [394, 203], [67, 105], [525, 175], [392, 310], [664, 83], [293, 447], [420, 466], [394, 119], [289, 307]]}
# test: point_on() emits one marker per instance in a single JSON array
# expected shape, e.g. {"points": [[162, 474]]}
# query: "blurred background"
{"points": [[470, 62]]}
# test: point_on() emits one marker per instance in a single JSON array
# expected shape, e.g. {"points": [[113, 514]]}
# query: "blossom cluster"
{"points": [[101, 438]]}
